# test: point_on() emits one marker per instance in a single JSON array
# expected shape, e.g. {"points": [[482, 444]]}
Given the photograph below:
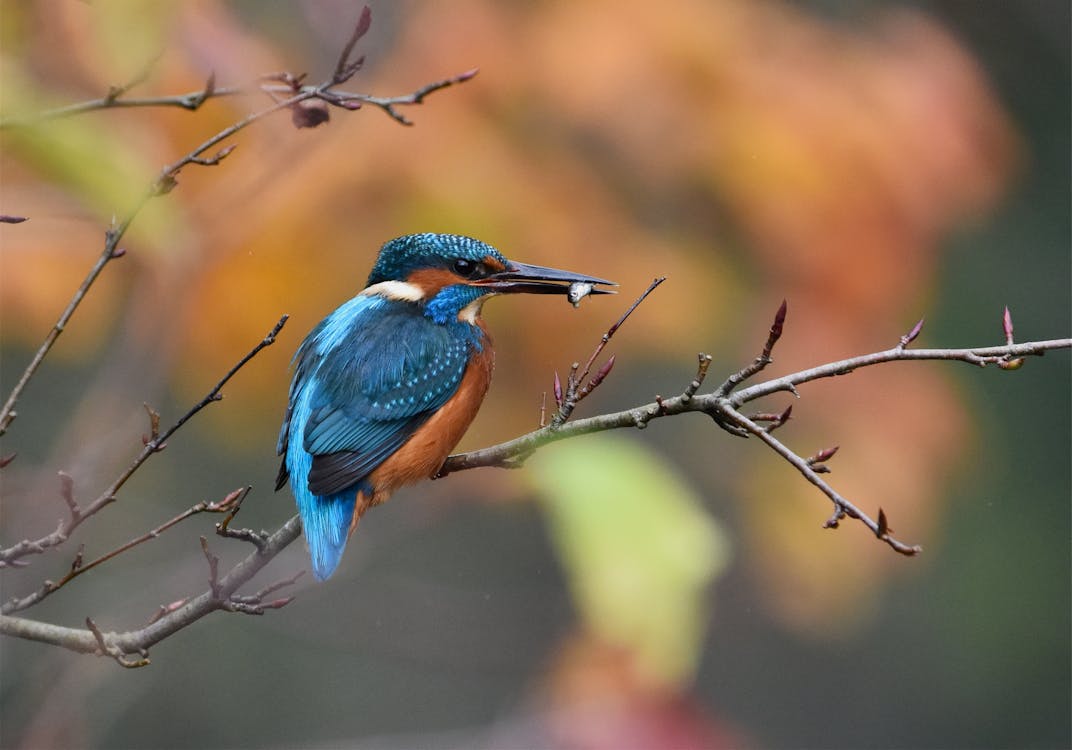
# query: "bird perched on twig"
{"points": [[386, 385]]}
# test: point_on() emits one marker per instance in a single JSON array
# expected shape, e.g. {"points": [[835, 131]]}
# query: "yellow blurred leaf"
{"points": [[637, 546]]}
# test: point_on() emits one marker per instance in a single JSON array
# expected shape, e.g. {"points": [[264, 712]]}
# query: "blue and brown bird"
{"points": [[385, 386]]}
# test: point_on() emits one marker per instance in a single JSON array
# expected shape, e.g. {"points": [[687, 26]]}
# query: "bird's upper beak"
{"points": [[519, 277]]}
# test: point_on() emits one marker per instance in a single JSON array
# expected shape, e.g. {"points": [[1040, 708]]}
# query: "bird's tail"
{"points": [[326, 523]]}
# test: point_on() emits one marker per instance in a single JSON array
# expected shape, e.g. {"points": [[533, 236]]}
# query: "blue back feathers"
{"points": [[366, 378]]}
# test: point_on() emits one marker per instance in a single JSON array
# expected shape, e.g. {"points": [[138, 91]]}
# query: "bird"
{"points": [[386, 385]]}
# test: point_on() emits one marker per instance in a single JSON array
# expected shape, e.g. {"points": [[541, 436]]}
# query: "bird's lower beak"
{"points": [[522, 278]]}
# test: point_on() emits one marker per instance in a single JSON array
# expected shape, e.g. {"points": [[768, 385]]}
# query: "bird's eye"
{"points": [[470, 269]]}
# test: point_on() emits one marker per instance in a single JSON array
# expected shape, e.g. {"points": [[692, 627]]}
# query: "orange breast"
{"points": [[423, 454]]}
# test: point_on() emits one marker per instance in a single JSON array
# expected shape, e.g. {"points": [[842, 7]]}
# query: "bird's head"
{"points": [[452, 275]]}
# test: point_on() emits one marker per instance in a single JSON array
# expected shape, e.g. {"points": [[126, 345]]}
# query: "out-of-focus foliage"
{"points": [[640, 550], [835, 157], [749, 149]]}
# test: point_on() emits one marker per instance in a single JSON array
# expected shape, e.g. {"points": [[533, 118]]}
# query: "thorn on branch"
{"points": [[5, 460], [7, 219]]}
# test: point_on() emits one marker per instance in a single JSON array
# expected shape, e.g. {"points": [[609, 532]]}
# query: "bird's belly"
{"points": [[423, 454]]}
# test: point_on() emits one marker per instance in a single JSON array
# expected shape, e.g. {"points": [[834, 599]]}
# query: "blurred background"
{"points": [[872, 162]]}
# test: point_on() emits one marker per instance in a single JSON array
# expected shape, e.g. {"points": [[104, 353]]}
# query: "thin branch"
{"points": [[226, 505], [135, 644], [190, 101], [111, 244], [388, 104], [764, 358], [345, 68], [842, 506], [153, 445], [287, 91], [575, 392], [706, 403], [131, 649], [167, 179], [724, 410], [978, 356]]}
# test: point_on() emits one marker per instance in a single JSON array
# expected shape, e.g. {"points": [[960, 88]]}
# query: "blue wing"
{"points": [[366, 379]]}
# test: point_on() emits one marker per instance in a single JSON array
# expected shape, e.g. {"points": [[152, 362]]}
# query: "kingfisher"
{"points": [[386, 385]]}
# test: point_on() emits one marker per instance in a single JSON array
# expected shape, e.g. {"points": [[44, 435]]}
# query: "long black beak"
{"points": [[519, 277]]}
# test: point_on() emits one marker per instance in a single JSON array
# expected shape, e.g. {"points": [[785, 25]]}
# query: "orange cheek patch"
{"points": [[493, 264], [431, 280]]}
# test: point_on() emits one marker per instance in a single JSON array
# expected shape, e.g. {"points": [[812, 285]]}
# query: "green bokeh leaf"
{"points": [[637, 545]]}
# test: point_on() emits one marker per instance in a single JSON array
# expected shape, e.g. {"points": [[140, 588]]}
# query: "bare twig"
{"points": [[345, 68], [226, 505], [909, 337], [131, 649], [723, 406], [122, 658], [286, 90], [152, 445], [389, 104], [135, 644], [190, 101], [111, 243], [172, 618], [764, 358], [842, 506], [706, 403], [167, 179], [575, 391]]}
